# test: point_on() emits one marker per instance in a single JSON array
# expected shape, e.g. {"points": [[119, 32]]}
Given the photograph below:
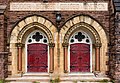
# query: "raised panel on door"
{"points": [[79, 57], [37, 57]]}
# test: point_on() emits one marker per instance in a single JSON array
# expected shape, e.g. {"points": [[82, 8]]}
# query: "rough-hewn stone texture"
{"points": [[116, 58], [3, 48]]}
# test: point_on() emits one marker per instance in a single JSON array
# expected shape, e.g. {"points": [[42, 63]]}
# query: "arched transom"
{"points": [[78, 27], [37, 37], [80, 37]]}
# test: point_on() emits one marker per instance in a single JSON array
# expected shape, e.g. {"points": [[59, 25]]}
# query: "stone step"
{"points": [[37, 74], [26, 82], [28, 79], [82, 82], [63, 79], [84, 78], [45, 78], [59, 82]]}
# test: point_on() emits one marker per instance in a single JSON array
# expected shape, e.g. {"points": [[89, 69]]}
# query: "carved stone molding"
{"points": [[51, 44], [78, 27], [34, 26], [32, 22], [65, 44], [20, 45], [98, 45]]}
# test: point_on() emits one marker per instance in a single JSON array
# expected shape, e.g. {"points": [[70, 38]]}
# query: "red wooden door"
{"points": [[79, 57], [37, 57]]}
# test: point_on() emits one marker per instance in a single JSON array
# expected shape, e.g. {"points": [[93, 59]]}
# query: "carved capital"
{"points": [[65, 44], [20, 45], [98, 45], [51, 44]]}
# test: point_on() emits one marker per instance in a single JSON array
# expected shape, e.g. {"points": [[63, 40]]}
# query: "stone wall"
{"points": [[3, 43], [1, 33], [14, 17], [3, 65], [1, 46], [101, 17], [117, 48]]}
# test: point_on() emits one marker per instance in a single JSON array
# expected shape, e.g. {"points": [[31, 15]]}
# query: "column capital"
{"points": [[20, 45], [98, 45], [51, 44], [65, 44]]}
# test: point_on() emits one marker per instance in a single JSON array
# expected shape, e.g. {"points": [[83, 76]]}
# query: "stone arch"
{"points": [[34, 26], [83, 20], [19, 34], [100, 39], [79, 26], [29, 22]]}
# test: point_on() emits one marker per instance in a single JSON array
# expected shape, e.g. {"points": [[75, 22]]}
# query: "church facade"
{"points": [[59, 41]]}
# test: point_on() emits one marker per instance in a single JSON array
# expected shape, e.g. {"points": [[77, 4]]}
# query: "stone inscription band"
{"points": [[70, 6]]}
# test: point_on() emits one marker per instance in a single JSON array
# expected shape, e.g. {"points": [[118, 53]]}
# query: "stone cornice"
{"points": [[2, 8]]}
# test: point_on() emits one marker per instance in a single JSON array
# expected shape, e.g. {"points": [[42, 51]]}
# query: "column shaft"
{"points": [[19, 58], [51, 53]]}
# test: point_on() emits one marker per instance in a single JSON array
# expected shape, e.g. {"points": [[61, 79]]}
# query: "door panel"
{"points": [[79, 57], [37, 57]]}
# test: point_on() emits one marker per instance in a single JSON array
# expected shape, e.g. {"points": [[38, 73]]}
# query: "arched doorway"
{"points": [[20, 41], [98, 42], [80, 49], [37, 52]]}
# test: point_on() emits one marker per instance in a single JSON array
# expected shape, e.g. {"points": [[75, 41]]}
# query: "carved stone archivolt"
{"points": [[51, 45], [32, 22], [65, 44], [35, 26], [78, 27]]}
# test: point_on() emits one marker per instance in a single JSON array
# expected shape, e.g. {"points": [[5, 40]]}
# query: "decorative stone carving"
{"points": [[77, 27], [65, 44], [37, 26], [20, 45], [98, 45], [51, 44]]}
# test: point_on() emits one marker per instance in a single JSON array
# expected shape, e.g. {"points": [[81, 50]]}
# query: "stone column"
{"points": [[51, 53], [97, 56], [65, 46], [19, 46]]}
